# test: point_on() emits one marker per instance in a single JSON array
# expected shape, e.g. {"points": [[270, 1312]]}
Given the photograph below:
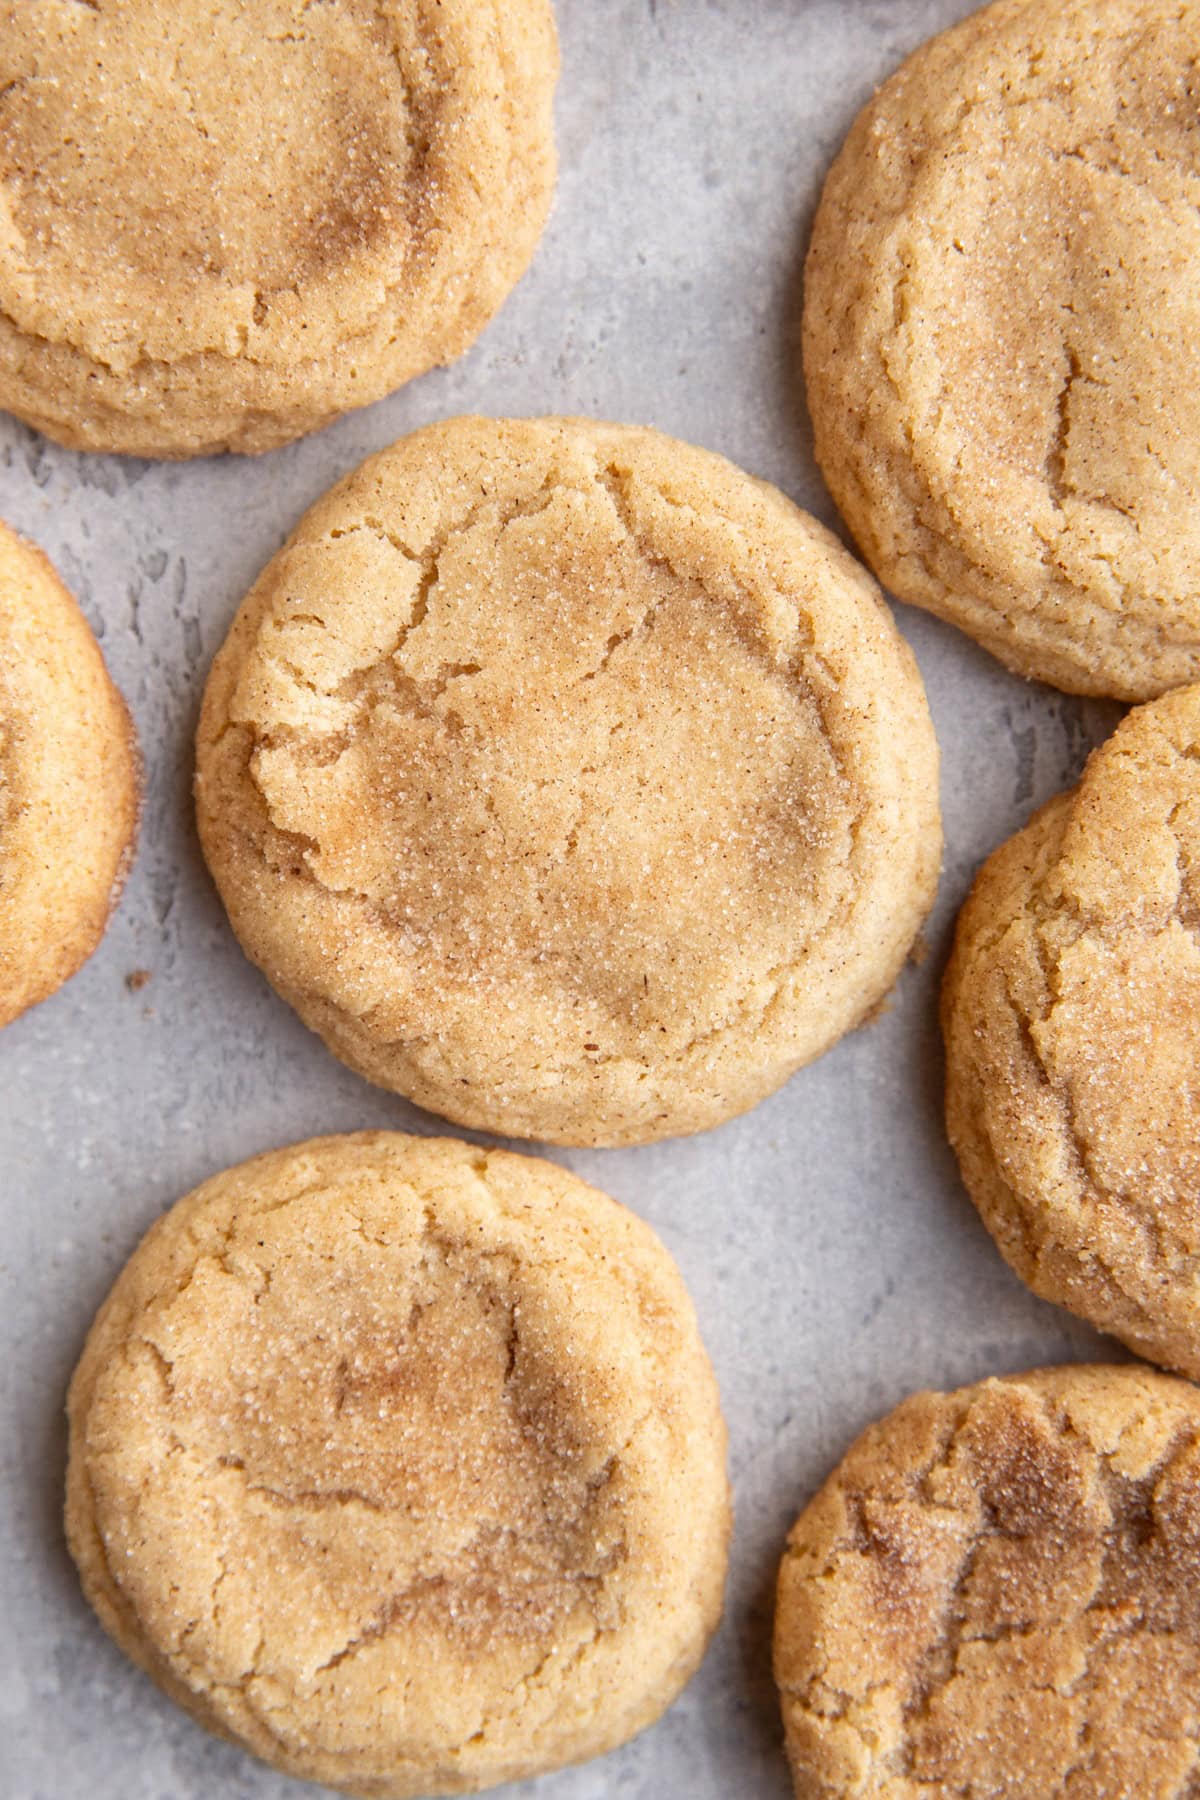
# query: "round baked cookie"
{"points": [[1071, 1010], [995, 1594], [401, 1463], [69, 782], [569, 781], [1001, 326], [186, 269]]}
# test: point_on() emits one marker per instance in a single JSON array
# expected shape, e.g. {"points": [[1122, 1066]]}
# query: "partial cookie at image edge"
{"points": [[70, 782], [998, 330], [253, 273], [1071, 1018], [991, 1579]]}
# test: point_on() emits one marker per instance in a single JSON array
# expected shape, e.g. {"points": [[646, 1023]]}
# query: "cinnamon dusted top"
{"points": [[221, 225], [1072, 1017], [401, 1463], [1000, 330], [568, 780], [996, 1593]]}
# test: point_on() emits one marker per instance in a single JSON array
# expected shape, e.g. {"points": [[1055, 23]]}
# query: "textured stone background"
{"points": [[834, 1258]]}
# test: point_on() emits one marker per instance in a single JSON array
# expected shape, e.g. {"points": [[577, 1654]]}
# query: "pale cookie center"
{"points": [[164, 182], [577, 780]]}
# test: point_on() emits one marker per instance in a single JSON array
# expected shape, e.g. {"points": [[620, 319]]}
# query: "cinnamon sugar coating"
{"points": [[1000, 328], [69, 782], [401, 1464], [223, 225], [995, 1593], [1071, 1011], [569, 781]]}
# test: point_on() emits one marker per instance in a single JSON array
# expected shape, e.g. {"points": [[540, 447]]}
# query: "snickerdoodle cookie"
{"points": [[1072, 1017], [996, 1594], [222, 225], [69, 781], [569, 781], [401, 1464], [1001, 326]]}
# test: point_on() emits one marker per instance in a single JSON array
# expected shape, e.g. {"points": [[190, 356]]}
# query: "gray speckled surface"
{"points": [[833, 1256]]}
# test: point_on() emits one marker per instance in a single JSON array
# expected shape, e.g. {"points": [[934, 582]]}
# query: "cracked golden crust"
{"points": [[181, 273], [401, 1464], [1070, 1009], [69, 782], [1000, 325], [996, 1593], [569, 781]]}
